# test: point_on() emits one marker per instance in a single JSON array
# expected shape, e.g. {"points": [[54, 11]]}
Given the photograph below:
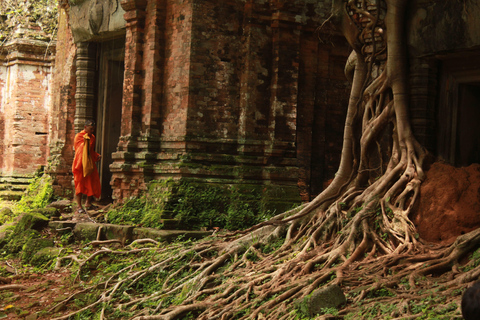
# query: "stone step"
{"points": [[126, 234], [10, 195], [17, 187]]}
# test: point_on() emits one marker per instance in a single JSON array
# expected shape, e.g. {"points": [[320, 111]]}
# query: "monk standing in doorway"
{"points": [[85, 173]]}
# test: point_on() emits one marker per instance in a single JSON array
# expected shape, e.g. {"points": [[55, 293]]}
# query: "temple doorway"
{"points": [[109, 111], [458, 116]]}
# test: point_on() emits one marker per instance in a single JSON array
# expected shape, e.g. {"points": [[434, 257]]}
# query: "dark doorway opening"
{"points": [[109, 112], [458, 113], [467, 143]]}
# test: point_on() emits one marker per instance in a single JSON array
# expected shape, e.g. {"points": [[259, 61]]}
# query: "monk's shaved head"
{"points": [[89, 122]]}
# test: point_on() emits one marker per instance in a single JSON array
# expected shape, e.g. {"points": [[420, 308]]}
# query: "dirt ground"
{"points": [[449, 203], [27, 294], [449, 206], [34, 293]]}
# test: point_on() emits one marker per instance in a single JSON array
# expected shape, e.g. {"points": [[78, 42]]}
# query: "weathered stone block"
{"points": [[330, 296], [62, 227], [44, 255], [61, 205], [86, 231], [119, 232], [48, 212], [32, 246], [32, 220]]}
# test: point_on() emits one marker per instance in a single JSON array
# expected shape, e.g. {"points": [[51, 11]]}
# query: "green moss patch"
{"points": [[204, 205]]}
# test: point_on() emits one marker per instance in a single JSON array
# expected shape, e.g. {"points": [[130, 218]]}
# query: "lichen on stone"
{"points": [[28, 19]]}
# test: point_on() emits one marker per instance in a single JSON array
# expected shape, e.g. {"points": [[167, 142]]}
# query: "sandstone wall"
{"points": [[25, 72], [218, 88], [63, 105]]}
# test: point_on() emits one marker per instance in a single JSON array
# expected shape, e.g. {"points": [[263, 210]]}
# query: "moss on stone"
{"points": [[48, 212], [38, 194], [86, 231], [205, 205], [28, 20], [44, 256], [15, 235], [15, 241], [6, 214], [31, 220], [32, 246]]}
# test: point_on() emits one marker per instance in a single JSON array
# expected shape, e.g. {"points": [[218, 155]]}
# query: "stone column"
{"points": [[133, 91], [85, 94], [154, 65], [127, 170], [282, 129], [255, 79]]}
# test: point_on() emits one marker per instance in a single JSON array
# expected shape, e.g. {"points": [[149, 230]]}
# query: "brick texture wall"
{"points": [[25, 73], [62, 130], [228, 92]]}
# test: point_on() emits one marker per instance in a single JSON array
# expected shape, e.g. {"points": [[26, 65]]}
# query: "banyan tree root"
{"points": [[357, 233]]}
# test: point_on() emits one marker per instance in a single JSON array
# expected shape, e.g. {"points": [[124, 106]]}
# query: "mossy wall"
{"points": [[198, 205]]}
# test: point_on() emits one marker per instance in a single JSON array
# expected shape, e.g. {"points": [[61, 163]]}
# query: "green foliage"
{"points": [[38, 195], [332, 311], [252, 256], [299, 315], [201, 205], [231, 207], [194, 205], [147, 210], [431, 307], [84, 315], [272, 246], [474, 261], [382, 292], [376, 311], [6, 215], [302, 308]]}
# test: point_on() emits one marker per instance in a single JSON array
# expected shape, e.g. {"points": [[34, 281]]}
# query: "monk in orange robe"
{"points": [[89, 183]]}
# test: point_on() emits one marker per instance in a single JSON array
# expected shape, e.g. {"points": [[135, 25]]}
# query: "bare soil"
{"points": [[449, 203], [34, 294], [38, 292]]}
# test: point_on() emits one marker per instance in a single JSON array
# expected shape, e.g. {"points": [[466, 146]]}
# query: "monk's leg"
{"points": [[78, 200], [89, 203]]}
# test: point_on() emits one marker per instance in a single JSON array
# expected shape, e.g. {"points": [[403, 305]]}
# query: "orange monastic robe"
{"points": [[89, 185]]}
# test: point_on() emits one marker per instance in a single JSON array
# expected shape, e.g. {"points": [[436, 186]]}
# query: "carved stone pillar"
{"points": [[133, 81], [85, 94], [127, 171]]}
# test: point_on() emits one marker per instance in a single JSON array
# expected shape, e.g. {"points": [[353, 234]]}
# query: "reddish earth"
{"points": [[38, 293], [449, 203]]}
